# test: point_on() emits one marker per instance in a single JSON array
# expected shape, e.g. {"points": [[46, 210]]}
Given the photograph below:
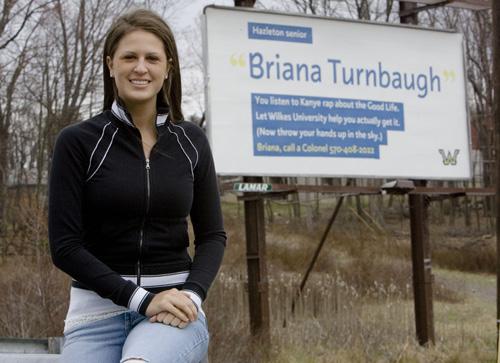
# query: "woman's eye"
{"points": [[154, 59], [128, 57]]}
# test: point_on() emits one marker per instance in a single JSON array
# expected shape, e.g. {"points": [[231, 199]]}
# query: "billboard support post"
{"points": [[256, 265], [421, 266], [258, 295], [419, 223]]}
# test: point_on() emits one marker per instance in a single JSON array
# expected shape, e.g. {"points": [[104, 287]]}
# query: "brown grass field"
{"points": [[357, 305]]}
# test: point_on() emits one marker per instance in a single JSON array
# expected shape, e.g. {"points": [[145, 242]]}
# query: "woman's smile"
{"points": [[140, 82]]}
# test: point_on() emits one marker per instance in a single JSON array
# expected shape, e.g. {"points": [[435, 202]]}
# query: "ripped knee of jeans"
{"points": [[133, 360]]}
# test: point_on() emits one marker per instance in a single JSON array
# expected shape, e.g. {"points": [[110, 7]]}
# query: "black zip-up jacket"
{"points": [[118, 221]]}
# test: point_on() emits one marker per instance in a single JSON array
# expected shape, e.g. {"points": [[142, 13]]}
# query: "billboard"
{"points": [[291, 95]]}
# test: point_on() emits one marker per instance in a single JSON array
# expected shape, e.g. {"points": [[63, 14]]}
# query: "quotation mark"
{"points": [[237, 61], [449, 75]]}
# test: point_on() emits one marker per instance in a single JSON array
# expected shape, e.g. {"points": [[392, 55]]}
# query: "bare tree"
{"points": [[53, 68], [15, 17], [476, 27], [313, 7], [54, 63], [15, 43]]}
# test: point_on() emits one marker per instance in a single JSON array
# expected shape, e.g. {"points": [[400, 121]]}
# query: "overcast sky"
{"points": [[185, 20], [187, 11]]}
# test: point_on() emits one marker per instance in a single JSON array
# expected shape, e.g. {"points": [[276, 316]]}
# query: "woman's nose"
{"points": [[141, 66]]}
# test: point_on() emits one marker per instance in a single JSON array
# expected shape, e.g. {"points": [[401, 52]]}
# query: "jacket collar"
{"points": [[119, 110]]}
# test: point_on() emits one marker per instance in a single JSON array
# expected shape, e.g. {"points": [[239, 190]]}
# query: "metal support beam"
{"points": [[416, 9], [278, 190], [320, 246], [460, 4]]}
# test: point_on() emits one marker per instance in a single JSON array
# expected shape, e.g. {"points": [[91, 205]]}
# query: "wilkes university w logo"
{"points": [[448, 158]]}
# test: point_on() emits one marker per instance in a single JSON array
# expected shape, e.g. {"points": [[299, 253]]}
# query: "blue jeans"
{"points": [[131, 335]]}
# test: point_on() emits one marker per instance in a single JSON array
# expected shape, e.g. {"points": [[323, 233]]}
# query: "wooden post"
{"points": [[244, 3], [256, 264], [412, 18], [420, 251], [421, 266], [255, 231]]}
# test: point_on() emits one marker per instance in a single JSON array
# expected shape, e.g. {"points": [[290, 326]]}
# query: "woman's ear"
{"points": [[109, 62], [169, 65]]}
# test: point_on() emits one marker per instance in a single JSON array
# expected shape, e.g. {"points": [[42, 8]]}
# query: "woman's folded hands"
{"points": [[172, 307]]}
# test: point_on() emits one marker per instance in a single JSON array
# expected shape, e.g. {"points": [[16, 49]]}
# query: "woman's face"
{"points": [[139, 67]]}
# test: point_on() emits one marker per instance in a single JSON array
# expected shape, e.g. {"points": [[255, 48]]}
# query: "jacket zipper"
{"points": [[148, 197], [141, 234]]}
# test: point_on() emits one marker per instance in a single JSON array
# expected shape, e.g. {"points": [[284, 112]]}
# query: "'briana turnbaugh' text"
{"points": [[378, 75]]}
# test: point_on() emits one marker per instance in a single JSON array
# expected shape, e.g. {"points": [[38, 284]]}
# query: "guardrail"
{"points": [[18, 350]]}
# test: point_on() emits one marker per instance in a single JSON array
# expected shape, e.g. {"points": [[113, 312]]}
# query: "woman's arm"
{"points": [[206, 217], [66, 230]]}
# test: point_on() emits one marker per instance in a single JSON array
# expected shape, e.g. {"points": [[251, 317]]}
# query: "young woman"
{"points": [[122, 185]]}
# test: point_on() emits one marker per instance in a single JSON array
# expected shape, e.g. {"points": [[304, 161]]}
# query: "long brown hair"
{"points": [[171, 92]]}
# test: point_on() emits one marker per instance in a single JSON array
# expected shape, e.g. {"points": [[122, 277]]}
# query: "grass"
{"points": [[348, 326], [363, 283], [357, 305]]}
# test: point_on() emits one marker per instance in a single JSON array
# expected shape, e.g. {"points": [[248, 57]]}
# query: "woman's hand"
{"points": [[173, 302], [168, 319]]}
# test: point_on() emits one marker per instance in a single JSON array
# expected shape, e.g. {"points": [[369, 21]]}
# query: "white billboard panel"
{"points": [[297, 95]]}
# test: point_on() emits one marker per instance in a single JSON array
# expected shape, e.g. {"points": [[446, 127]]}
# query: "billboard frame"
{"points": [[208, 92]]}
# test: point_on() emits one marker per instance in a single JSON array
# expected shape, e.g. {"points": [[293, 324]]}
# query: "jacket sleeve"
{"points": [[66, 227], [206, 217]]}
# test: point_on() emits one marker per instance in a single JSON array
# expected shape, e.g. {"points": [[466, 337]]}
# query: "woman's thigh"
{"points": [[160, 343], [99, 341]]}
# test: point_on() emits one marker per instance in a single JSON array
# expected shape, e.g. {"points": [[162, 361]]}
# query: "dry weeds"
{"points": [[357, 305]]}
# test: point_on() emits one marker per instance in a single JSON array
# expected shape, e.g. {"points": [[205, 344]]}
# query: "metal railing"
{"points": [[18, 350]]}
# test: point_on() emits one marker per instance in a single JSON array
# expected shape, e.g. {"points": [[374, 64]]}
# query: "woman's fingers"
{"points": [[175, 302], [175, 321], [177, 312], [161, 316], [191, 305], [183, 301], [169, 318], [188, 308]]}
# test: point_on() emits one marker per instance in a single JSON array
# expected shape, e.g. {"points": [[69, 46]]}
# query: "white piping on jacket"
{"points": [[120, 112], [175, 278], [195, 150], [104, 157], [184, 151], [96, 145]]}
